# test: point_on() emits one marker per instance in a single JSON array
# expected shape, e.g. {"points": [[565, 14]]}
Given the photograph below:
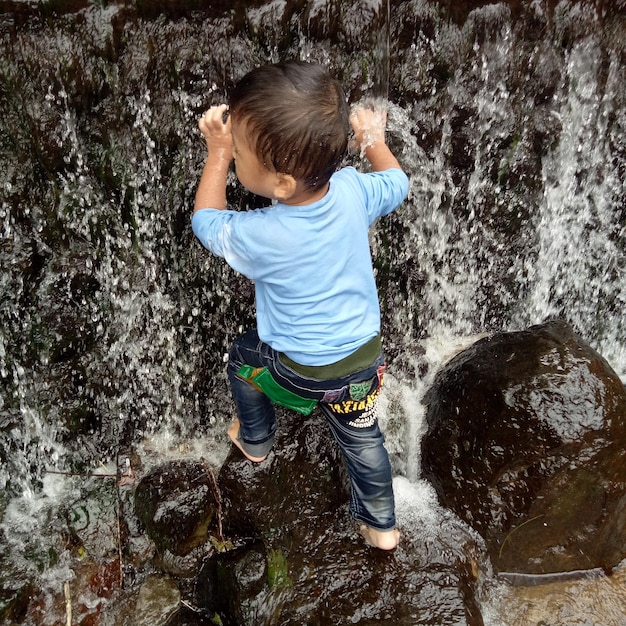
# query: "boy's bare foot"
{"points": [[233, 433], [383, 539]]}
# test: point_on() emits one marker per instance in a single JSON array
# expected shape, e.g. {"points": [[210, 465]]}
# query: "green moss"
{"points": [[278, 570]]}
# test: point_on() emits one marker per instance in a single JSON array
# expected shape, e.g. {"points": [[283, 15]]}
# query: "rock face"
{"points": [[525, 442], [176, 504], [157, 601], [298, 559]]}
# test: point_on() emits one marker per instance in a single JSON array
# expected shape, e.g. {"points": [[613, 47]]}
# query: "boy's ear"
{"points": [[284, 186]]}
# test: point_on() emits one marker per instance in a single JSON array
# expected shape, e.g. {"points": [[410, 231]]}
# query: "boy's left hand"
{"points": [[368, 126], [369, 136], [216, 132]]}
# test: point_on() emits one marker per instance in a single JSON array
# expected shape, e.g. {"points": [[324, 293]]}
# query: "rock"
{"points": [[300, 560], [158, 600], [227, 580], [302, 480], [525, 441], [176, 505], [14, 601]]}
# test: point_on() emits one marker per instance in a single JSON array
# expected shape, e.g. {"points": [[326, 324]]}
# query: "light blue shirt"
{"points": [[316, 297]]}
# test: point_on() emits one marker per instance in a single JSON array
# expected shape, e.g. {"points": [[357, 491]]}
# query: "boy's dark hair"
{"points": [[297, 119]]}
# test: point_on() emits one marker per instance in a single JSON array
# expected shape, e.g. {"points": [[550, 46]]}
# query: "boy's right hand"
{"points": [[211, 193], [216, 132]]}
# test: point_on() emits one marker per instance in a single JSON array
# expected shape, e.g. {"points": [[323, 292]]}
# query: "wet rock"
{"points": [[260, 499], [14, 601], [525, 442], [545, 73], [486, 23], [176, 504], [300, 560], [158, 600], [462, 139], [229, 579], [546, 126], [186, 616]]}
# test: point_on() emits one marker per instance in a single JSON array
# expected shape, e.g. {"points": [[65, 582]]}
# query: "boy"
{"points": [[318, 318]]}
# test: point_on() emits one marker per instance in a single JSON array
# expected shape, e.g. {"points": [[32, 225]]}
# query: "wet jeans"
{"points": [[349, 405]]}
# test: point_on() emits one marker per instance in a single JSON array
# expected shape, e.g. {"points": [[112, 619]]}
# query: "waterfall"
{"points": [[114, 322], [578, 272]]}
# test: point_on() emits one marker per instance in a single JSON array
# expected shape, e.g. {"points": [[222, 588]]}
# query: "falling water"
{"points": [[578, 271], [114, 321]]}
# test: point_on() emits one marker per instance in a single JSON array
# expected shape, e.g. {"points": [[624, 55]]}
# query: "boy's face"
{"points": [[250, 170]]}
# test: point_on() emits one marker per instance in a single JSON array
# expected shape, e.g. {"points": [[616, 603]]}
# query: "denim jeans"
{"points": [[352, 421]]}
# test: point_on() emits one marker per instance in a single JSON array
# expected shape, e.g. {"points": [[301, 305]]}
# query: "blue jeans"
{"points": [[349, 405]]}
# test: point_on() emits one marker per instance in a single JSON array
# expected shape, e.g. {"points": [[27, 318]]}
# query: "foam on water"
{"points": [[417, 506]]}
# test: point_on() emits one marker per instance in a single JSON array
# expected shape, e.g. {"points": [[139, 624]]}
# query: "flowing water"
{"points": [[115, 323]]}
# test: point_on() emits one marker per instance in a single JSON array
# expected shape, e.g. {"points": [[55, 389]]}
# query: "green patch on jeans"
{"points": [[358, 391], [262, 379]]}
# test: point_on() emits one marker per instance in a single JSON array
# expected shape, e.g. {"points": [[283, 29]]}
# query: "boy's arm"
{"points": [[212, 187], [369, 135]]}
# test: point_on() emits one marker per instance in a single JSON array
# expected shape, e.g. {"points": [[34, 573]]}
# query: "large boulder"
{"points": [[298, 558], [525, 442]]}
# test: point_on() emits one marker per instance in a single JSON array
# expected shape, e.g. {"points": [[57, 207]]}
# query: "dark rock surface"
{"points": [[176, 504], [525, 442], [298, 558]]}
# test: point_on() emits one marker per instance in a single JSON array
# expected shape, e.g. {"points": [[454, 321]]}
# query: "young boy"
{"points": [[317, 340]]}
